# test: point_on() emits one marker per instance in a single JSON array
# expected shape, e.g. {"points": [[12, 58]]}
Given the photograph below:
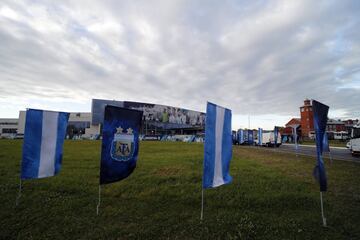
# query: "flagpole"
{"points": [[296, 143], [98, 205], [331, 161], [202, 204], [19, 193], [322, 210]]}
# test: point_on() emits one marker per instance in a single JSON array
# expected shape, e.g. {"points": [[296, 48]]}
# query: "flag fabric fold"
{"points": [[120, 143], [43, 143], [320, 119], [326, 147], [218, 146]]}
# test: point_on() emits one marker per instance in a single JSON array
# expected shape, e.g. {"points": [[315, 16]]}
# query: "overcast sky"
{"points": [[258, 58]]}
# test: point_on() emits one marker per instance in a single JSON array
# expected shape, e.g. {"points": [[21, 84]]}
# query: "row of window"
{"points": [[8, 123], [307, 109], [9, 130]]}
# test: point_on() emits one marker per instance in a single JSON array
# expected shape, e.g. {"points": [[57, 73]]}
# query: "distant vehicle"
{"points": [[151, 138], [340, 135], [269, 140], [355, 140], [348, 145]]}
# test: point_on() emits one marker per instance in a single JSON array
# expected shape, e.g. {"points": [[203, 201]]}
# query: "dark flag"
{"points": [[120, 143], [320, 119]]}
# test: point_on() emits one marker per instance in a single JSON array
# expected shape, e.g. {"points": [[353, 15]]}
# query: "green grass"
{"points": [[332, 143], [273, 196]]}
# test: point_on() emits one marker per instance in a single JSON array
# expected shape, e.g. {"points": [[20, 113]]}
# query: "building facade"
{"points": [[307, 119], [8, 127]]}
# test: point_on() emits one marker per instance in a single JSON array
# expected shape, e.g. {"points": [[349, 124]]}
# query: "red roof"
{"points": [[293, 121]]}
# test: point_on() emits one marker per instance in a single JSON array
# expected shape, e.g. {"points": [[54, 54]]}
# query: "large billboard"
{"points": [[98, 108], [161, 116]]}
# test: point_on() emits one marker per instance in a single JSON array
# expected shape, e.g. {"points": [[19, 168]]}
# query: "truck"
{"points": [[355, 140], [268, 139]]}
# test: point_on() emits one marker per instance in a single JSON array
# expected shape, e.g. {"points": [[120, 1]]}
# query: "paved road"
{"points": [[337, 153]]}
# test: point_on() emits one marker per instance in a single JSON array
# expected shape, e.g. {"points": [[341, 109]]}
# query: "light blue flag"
{"points": [[276, 133], [43, 143], [260, 136], [241, 136], [218, 146]]}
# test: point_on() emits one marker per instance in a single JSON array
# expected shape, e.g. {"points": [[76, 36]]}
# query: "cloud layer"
{"points": [[254, 57]]}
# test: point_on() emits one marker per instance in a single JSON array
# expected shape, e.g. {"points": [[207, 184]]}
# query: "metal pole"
{"points": [[296, 144], [19, 193], [331, 161], [322, 210], [98, 205], [202, 205]]}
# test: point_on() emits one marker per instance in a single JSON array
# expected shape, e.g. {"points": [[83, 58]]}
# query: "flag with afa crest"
{"points": [[120, 143]]}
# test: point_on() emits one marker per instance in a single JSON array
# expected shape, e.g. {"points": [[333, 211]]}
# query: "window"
{"points": [[8, 130], [302, 109]]}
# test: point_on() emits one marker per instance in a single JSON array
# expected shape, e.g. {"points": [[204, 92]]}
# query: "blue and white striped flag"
{"points": [[218, 146], [43, 143], [260, 134]]}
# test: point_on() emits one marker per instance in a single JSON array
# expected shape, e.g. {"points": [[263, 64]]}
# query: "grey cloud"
{"points": [[251, 56]]}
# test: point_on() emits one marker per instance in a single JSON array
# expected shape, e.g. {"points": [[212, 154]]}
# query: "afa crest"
{"points": [[123, 145]]}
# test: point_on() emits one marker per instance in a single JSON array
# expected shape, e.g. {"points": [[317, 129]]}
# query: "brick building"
{"points": [[335, 126], [287, 132], [307, 119]]}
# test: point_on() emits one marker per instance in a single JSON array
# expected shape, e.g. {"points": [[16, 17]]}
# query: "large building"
{"points": [[8, 127], [158, 120], [79, 125]]}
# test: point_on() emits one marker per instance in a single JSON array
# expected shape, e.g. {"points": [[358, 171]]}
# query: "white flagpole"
{"points": [[98, 205], [19, 193], [202, 205], [296, 143], [331, 161], [322, 210]]}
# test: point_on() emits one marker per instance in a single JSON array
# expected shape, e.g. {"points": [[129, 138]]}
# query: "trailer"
{"points": [[355, 140], [268, 139]]}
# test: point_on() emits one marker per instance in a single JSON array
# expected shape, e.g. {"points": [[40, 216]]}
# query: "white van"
{"points": [[355, 140], [269, 140]]}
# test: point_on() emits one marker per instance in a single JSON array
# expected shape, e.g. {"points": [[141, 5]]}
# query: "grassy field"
{"points": [[332, 143], [273, 196]]}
